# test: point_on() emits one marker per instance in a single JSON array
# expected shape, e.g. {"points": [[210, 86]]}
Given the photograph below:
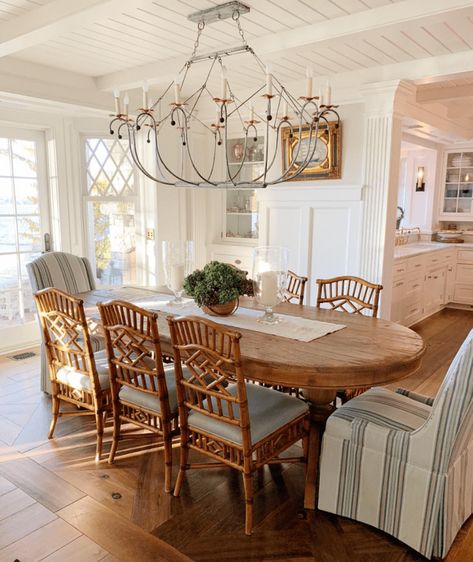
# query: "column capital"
{"points": [[385, 97]]}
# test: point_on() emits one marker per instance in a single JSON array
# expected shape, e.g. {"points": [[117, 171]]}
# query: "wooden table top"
{"points": [[368, 352]]}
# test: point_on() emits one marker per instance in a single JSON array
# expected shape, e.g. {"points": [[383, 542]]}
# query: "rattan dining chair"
{"points": [[69, 273], [143, 389], [78, 376], [295, 290], [353, 295], [239, 425]]}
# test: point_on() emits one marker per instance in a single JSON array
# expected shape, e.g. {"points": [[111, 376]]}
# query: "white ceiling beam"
{"points": [[322, 33], [55, 19], [460, 110], [431, 95]]}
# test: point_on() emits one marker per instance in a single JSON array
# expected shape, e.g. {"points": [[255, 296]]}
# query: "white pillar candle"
{"points": [[309, 81], [126, 103], [223, 84], [176, 276], [145, 95], [269, 81], [269, 288], [177, 91], [328, 95], [116, 95]]}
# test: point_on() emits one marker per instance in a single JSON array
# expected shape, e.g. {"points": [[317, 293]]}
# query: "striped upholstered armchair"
{"points": [[402, 462], [68, 273]]}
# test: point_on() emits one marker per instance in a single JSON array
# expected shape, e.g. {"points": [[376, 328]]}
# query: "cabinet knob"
{"points": [[238, 262]]}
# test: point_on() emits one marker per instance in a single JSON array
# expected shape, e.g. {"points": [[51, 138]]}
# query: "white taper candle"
{"points": [[309, 82], [223, 84], [126, 103], [177, 91], [145, 95], [116, 95], [269, 81]]}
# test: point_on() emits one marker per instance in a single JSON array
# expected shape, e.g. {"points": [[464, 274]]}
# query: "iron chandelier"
{"points": [[234, 113]]}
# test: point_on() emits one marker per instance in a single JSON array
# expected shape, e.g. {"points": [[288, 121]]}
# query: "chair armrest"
{"points": [[415, 396]]}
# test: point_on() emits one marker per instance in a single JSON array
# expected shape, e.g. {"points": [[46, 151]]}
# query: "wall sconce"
{"points": [[420, 181]]}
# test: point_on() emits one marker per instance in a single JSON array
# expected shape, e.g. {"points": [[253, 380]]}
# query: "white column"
{"points": [[381, 153]]}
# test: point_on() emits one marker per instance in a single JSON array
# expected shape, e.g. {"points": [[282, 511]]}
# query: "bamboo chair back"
{"points": [[134, 350], [212, 356], [295, 288], [349, 294], [67, 340]]}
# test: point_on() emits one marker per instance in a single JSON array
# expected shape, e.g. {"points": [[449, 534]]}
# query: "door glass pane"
{"points": [[20, 228], [24, 158], [113, 231]]}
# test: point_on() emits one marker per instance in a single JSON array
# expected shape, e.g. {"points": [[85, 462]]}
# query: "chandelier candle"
{"points": [[188, 103], [116, 95], [269, 81], [309, 81], [126, 103], [145, 95]]}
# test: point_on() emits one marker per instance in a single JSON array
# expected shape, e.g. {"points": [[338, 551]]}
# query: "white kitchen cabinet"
{"points": [[457, 196], [434, 290]]}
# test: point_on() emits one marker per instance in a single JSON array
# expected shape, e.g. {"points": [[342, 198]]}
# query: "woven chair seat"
{"points": [[268, 410]]}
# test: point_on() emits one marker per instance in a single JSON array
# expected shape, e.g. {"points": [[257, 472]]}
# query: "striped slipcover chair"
{"points": [[68, 273], [403, 462]]}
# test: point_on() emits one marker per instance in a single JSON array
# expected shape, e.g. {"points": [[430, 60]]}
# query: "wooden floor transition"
{"points": [[57, 505]]}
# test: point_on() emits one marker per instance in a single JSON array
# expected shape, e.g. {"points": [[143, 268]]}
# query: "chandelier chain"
{"points": [[236, 19], [200, 28]]}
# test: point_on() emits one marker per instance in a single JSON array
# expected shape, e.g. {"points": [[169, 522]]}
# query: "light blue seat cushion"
{"points": [[268, 409], [151, 401], [76, 379]]}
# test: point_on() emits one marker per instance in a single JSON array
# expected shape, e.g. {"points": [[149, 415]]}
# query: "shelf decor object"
{"points": [[270, 280], [325, 161], [458, 191], [217, 288], [265, 111], [178, 261]]}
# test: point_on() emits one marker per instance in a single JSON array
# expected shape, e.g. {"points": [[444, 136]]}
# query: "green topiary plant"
{"points": [[217, 283]]}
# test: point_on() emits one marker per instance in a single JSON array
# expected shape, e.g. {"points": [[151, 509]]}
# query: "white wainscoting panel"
{"points": [[320, 226]]}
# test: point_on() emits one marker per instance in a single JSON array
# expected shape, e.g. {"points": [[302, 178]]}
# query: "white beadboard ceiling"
{"points": [[159, 30]]}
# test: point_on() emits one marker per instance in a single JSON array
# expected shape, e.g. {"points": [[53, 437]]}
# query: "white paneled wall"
{"points": [[320, 226]]}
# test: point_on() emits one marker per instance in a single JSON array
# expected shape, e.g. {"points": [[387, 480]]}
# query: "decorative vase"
{"points": [[238, 150], [269, 279], [178, 262], [226, 309]]}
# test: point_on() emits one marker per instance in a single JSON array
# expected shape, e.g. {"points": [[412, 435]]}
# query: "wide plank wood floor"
{"points": [[57, 505]]}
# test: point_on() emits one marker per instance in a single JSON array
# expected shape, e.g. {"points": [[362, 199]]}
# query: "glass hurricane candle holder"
{"points": [[269, 279], [178, 262]]}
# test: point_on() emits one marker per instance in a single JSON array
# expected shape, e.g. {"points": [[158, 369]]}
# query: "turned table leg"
{"points": [[321, 406]]}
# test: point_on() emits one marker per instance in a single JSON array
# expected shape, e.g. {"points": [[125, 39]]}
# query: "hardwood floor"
{"points": [[57, 505]]}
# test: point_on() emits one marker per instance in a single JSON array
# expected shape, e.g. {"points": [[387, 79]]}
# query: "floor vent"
{"points": [[21, 356]]}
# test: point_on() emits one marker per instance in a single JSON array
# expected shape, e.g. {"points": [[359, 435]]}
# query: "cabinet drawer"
{"points": [[464, 273], [414, 285], [242, 262], [416, 263], [463, 294], [400, 267], [436, 258], [413, 312], [465, 256]]}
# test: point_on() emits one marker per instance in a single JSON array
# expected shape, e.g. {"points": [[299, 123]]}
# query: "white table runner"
{"points": [[292, 327]]}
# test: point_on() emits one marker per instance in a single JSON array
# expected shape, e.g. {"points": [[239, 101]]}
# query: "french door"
{"points": [[24, 220]]}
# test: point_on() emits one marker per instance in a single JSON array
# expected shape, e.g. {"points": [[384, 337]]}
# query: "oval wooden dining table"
{"points": [[367, 352]]}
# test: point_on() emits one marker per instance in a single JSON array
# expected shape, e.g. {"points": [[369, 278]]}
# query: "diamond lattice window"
{"points": [[109, 168], [112, 207]]}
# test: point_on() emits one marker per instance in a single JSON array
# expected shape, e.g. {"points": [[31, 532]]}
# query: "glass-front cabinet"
{"points": [[241, 205], [458, 193]]}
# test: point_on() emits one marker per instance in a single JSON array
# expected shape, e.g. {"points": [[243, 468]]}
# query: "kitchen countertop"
{"points": [[414, 249]]}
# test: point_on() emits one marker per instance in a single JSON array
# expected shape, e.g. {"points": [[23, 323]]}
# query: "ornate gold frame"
{"points": [[331, 168]]}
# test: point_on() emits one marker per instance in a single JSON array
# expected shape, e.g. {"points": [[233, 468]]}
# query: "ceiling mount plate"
{"points": [[221, 12]]}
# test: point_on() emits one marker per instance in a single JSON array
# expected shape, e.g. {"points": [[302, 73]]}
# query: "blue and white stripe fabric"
{"points": [[405, 464]]}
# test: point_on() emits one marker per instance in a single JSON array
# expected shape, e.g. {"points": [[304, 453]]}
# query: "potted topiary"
{"points": [[217, 288]]}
